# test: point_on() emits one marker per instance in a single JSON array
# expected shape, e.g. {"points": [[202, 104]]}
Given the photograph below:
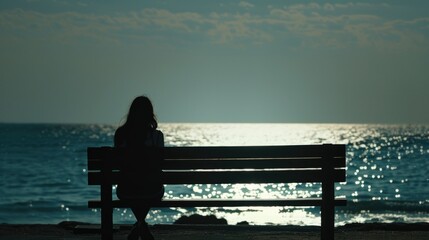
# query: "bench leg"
{"points": [[328, 211], [106, 223], [328, 195], [106, 199], [327, 229]]}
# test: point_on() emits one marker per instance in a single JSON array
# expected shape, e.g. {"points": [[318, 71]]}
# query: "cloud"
{"points": [[62, 27], [182, 21], [238, 27], [310, 24], [244, 4], [327, 25], [329, 7], [300, 7]]}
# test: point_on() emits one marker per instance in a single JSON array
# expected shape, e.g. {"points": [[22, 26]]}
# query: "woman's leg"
{"points": [[140, 213]]}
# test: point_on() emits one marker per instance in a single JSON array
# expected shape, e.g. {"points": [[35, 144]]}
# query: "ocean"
{"points": [[43, 173]]}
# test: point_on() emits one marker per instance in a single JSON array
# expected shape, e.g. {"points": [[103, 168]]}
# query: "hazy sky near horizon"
{"points": [[215, 61]]}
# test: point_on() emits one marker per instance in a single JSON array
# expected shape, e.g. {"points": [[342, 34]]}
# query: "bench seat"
{"points": [[325, 164]]}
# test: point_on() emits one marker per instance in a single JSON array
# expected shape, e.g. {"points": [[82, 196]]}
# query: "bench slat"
{"points": [[95, 164], [224, 157], [215, 177], [251, 163], [294, 151], [251, 151], [223, 202]]}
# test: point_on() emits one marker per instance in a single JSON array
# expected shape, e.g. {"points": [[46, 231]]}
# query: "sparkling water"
{"points": [[44, 177]]}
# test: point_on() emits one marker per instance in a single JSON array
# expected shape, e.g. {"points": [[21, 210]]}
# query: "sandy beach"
{"points": [[80, 231]]}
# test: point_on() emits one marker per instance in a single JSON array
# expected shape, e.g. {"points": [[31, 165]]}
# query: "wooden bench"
{"points": [[324, 164]]}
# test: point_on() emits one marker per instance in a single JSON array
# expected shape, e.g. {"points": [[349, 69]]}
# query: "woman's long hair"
{"points": [[140, 120]]}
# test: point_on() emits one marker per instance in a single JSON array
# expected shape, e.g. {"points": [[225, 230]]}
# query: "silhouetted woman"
{"points": [[139, 131]]}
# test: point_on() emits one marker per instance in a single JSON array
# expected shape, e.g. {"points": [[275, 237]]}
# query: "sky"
{"points": [[271, 61]]}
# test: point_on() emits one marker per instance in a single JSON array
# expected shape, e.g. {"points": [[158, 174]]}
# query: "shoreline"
{"points": [[84, 231]]}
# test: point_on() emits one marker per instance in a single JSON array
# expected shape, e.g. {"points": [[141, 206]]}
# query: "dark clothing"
{"points": [[140, 176]]}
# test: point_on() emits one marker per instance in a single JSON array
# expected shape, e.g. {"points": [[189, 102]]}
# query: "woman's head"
{"points": [[141, 114]]}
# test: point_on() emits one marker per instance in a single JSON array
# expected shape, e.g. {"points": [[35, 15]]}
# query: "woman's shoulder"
{"points": [[157, 135], [119, 136], [158, 132], [120, 132], [158, 138]]}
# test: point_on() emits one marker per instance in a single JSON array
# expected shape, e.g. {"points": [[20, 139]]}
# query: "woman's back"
{"points": [[138, 138], [140, 178]]}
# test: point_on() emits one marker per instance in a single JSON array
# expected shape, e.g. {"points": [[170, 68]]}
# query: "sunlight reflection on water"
{"points": [[376, 171], [252, 134], [387, 175]]}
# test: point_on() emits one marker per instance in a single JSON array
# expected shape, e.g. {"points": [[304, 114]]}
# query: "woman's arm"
{"points": [[118, 140], [159, 139]]}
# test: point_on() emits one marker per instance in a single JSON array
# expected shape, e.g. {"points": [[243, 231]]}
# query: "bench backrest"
{"points": [[211, 165]]}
